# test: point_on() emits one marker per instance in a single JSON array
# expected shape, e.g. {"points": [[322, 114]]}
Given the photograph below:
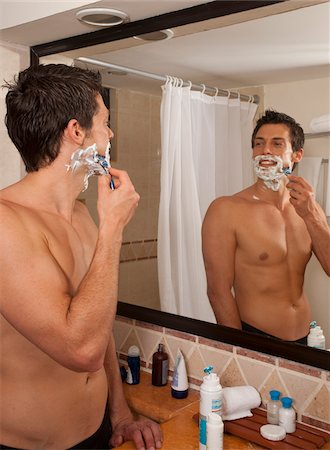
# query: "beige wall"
{"points": [[13, 59], [305, 100], [134, 117]]}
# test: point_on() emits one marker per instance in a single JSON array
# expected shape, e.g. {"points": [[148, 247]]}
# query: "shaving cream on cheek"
{"points": [[93, 163], [271, 172]]}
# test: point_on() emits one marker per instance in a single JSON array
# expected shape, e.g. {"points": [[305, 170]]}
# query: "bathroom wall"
{"points": [[236, 366], [305, 100], [16, 58], [134, 118]]}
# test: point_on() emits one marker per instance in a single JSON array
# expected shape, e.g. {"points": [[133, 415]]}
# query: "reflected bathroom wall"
{"points": [[305, 100], [134, 118]]}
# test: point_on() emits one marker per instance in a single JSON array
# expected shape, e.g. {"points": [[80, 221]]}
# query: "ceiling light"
{"points": [[162, 35], [102, 17]]}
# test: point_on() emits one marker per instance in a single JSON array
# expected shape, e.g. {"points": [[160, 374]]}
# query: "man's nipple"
{"points": [[263, 256]]}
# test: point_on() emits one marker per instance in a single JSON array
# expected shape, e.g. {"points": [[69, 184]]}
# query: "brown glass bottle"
{"points": [[160, 367]]}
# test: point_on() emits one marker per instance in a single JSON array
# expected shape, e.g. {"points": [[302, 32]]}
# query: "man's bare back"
{"points": [[72, 404], [60, 380]]}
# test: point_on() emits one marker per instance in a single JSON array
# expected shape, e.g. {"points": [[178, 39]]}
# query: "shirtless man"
{"points": [[60, 380], [257, 243]]}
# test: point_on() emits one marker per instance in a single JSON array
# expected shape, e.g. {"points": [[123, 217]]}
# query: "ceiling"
{"points": [[276, 46]]}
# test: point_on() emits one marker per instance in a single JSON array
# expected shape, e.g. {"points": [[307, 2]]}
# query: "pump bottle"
{"points": [[159, 367], [287, 415], [316, 337], [273, 407], [210, 402]]}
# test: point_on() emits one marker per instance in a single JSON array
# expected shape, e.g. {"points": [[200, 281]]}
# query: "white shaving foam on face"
{"points": [[272, 174], [89, 159]]}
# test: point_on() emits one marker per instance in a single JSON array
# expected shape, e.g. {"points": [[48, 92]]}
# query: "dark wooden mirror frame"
{"points": [[271, 346]]}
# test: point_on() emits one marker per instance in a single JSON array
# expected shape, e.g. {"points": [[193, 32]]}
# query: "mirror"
{"points": [[117, 43]]}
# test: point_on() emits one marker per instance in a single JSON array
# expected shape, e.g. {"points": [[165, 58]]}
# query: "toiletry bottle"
{"points": [[287, 415], [316, 337], [273, 407], [214, 432], [133, 371], [210, 402], [159, 367], [179, 386]]}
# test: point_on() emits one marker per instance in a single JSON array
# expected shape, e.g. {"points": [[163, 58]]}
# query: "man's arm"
{"points": [[37, 296], [303, 200], [219, 247], [145, 433]]}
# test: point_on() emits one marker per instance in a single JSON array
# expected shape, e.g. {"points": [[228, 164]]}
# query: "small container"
{"points": [[287, 415], [210, 402], [179, 386], [159, 367], [133, 371], [316, 337], [273, 432], [214, 432], [273, 407]]}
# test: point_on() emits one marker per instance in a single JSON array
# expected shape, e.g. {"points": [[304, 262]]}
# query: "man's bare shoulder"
{"points": [[227, 203]]}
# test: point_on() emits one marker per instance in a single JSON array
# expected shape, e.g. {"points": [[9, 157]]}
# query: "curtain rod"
{"points": [[223, 92]]}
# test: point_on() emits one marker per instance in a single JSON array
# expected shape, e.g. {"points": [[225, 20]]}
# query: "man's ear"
{"points": [[74, 132], [298, 155]]}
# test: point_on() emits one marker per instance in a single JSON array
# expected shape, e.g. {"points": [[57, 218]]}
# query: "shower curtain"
{"points": [[206, 153]]}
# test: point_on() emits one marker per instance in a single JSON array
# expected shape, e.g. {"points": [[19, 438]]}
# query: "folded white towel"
{"points": [[320, 124], [238, 401], [309, 168]]}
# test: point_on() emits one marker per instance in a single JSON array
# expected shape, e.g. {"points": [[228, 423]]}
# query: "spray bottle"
{"points": [[210, 402]]}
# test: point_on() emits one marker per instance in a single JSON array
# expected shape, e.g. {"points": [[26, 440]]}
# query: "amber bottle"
{"points": [[160, 367]]}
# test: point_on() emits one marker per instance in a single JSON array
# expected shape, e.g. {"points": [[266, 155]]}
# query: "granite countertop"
{"points": [[175, 416]]}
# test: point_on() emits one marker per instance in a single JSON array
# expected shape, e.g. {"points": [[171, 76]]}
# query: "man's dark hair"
{"points": [[40, 103], [274, 117]]}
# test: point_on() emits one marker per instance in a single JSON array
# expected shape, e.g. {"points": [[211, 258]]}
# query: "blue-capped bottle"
{"points": [[210, 402], [273, 407], [287, 415]]}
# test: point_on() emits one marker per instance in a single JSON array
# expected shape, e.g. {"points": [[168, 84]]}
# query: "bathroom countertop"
{"points": [[176, 417]]}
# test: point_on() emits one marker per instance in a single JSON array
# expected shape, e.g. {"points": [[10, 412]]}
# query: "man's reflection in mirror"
{"points": [[257, 242]]}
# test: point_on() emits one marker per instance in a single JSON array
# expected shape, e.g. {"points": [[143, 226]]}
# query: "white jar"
{"points": [[210, 402], [287, 415], [214, 432]]}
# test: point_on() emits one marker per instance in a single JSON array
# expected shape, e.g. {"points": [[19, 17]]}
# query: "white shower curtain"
{"points": [[206, 153]]}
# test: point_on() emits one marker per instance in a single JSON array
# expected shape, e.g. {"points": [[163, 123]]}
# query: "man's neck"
{"points": [[278, 198], [50, 189]]}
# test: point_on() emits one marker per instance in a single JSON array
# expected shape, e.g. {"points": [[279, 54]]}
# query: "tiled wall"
{"points": [[137, 127], [236, 366], [135, 120]]}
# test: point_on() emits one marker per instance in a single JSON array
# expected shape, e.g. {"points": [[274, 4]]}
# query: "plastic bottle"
{"points": [[210, 402], [316, 337], [214, 432], [159, 367], [287, 415], [179, 386], [273, 407], [133, 371]]}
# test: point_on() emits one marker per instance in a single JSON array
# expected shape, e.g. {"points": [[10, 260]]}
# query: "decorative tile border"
{"points": [[235, 366], [138, 250]]}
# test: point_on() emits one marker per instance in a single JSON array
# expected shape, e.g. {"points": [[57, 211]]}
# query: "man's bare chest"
{"points": [[270, 236]]}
